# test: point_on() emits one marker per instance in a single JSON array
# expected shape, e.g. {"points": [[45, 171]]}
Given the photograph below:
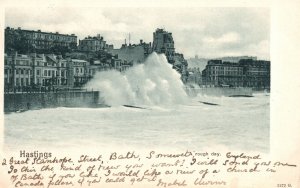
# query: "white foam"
{"points": [[153, 82]]}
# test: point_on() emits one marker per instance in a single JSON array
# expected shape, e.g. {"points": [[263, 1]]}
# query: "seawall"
{"points": [[29, 101]]}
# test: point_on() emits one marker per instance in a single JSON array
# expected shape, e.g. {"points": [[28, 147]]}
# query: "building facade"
{"points": [[219, 73], [36, 71], [133, 53], [256, 73], [30, 40], [43, 71], [163, 43], [245, 73], [93, 44], [181, 65], [77, 72]]}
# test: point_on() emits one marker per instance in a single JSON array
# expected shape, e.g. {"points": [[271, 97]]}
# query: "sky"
{"points": [[206, 32]]}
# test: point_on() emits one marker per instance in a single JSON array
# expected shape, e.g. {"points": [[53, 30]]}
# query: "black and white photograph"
{"points": [[143, 78], [137, 78]]}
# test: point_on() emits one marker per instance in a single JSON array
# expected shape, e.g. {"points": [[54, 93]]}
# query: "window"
{"points": [[37, 72], [49, 72], [5, 71], [45, 72]]}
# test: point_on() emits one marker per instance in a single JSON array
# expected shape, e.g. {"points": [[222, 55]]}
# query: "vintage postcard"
{"points": [[149, 94]]}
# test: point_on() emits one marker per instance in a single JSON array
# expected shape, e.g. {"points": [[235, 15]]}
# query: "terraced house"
{"points": [[43, 71], [24, 41]]}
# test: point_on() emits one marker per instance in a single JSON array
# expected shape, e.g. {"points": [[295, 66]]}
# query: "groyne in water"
{"points": [[14, 102], [220, 91]]}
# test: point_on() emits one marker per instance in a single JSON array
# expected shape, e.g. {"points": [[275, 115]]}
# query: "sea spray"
{"points": [[153, 82]]}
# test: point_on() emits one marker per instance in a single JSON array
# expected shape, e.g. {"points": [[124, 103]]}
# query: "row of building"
{"points": [[28, 41], [39, 70], [94, 54], [45, 71], [245, 73]]}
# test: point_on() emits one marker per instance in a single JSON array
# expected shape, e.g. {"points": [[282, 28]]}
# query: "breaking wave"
{"points": [[153, 82]]}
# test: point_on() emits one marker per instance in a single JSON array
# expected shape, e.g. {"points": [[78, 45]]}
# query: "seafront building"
{"points": [[73, 65], [163, 42], [245, 73], [39, 70], [49, 70]]}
